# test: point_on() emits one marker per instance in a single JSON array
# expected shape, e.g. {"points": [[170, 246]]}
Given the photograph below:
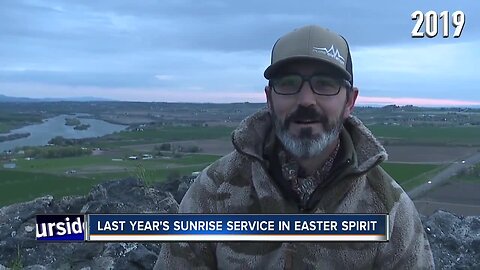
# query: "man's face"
{"points": [[306, 123]]}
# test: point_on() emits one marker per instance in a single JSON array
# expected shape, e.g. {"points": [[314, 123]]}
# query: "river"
{"points": [[41, 133]]}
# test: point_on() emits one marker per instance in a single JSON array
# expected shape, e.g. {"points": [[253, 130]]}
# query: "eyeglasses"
{"points": [[321, 84]]}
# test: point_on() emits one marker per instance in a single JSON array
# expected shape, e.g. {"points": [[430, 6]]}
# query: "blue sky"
{"points": [[216, 51]]}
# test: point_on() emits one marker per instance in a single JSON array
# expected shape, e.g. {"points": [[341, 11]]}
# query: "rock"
{"points": [[19, 248], [138, 258], [454, 240], [35, 267], [177, 187], [187, 181], [29, 228]]}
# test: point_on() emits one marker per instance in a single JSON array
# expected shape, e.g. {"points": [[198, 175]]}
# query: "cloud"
{"points": [[426, 71], [216, 25], [224, 46], [159, 94], [164, 77], [415, 101]]}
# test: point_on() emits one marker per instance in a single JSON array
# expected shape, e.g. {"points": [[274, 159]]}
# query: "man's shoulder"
{"points": [[221, 187], [229, 168], [386, 189]]}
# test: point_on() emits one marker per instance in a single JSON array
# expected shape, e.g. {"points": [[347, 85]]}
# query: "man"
{"points": [[305, 153]]}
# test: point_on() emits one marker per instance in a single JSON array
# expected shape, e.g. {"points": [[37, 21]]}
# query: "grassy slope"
{"points": [[39, 177], [17, 186]]}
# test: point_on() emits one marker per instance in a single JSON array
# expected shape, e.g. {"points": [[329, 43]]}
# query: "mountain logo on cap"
{"points": [[332, 52]]}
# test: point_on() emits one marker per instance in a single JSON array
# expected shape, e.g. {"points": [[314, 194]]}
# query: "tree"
{"points": [[163, 147]]}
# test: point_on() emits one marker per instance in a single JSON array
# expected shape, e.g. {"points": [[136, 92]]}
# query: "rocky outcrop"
{"points": [[19, 249], [177, 187], [455, 240]]}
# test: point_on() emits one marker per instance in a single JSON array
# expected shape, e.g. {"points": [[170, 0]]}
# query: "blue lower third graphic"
{"points": [[238, 227]]}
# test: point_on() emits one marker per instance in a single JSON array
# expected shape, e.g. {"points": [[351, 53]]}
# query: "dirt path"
{"points": [[429, 207]]}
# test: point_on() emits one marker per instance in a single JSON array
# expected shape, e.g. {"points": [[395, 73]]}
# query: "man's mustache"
{"points": [[302, 114]]}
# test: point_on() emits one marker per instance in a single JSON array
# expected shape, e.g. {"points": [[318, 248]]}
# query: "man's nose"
{"points": [[306, 96]]}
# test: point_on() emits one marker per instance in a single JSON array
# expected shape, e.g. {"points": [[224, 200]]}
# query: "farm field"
{"points": [[459, 197], [68, 176], [4, 128], [425, 135], [403, 172], [88, 163], [429, 154], [420, 144], [19, 186], [396, 153], [163, 134]]}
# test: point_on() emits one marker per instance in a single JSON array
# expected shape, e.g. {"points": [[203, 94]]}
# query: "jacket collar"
{"points": [[255, 132]]}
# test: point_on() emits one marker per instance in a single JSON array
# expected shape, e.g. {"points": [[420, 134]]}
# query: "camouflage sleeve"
{"points": [[408, 247], [192, 255]]}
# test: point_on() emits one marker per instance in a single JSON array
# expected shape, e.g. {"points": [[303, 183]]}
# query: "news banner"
{"points": [[212, 227]]}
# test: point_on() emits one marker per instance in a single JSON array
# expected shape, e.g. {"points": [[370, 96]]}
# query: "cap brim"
{"points": [[272, 69]]}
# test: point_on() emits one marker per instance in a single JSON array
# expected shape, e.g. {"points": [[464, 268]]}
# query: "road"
{"points": [[443, 176]]}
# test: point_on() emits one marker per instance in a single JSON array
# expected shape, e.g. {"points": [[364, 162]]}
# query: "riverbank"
{"points": [[14, 136]]}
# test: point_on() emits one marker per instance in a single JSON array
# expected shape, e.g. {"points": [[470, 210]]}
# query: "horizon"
{"points": [[217, 52], [373, 103]]}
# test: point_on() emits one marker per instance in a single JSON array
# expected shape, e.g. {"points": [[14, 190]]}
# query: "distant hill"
{"points": [[4, 98]]}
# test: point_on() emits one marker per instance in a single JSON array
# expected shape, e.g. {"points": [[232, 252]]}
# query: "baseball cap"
{"points": [[312, 43]]}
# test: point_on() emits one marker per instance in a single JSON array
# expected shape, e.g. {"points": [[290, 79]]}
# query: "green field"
{"points": [[76, 175], [60, 165], [410, 175], [38, 177], [4, 128], [428, 135], [17, 186], [10, 120], [406, 171]]}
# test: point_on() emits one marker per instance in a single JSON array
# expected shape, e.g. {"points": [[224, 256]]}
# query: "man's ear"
{"points": [[352, 98]]}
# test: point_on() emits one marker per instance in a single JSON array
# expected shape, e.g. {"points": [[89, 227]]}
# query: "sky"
{"points": [[217, 50]]}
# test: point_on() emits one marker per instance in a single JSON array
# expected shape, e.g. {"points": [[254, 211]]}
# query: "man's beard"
{"points": [[307, 145]]}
